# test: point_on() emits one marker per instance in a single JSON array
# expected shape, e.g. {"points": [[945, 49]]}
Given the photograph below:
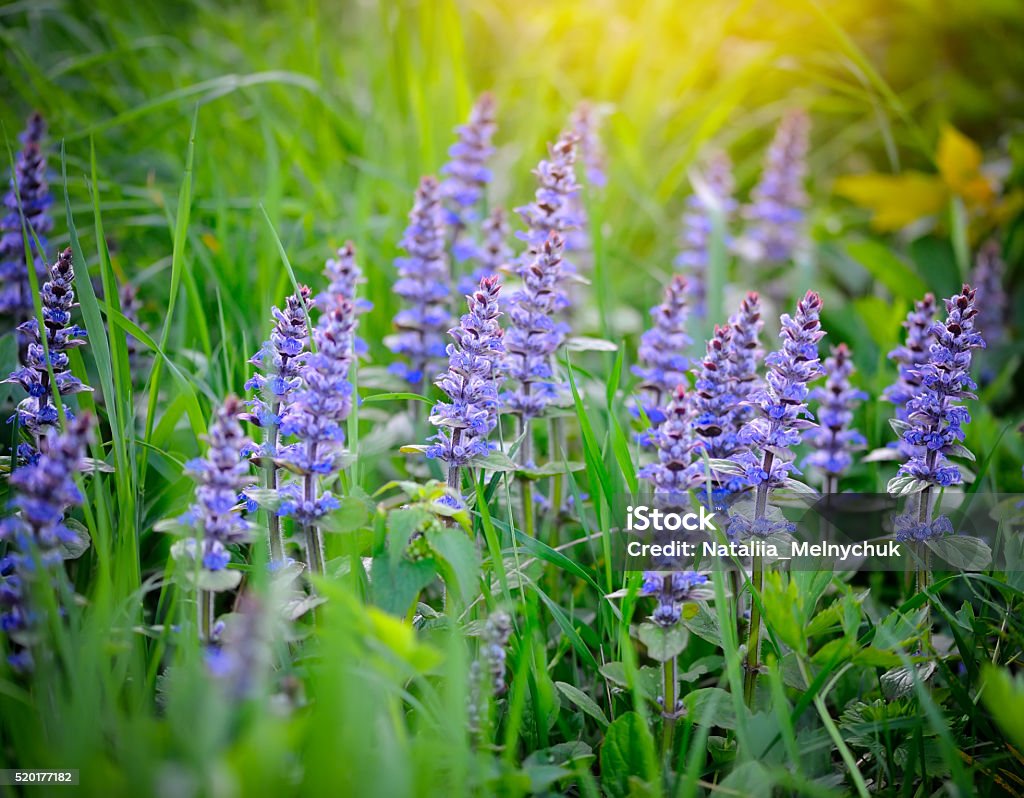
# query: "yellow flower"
{"points": [[898, 200]]}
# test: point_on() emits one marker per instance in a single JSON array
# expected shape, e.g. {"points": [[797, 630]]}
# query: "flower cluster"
{"points": [[281, 360], [909, 358], [775, 216], [493, 253], [745, 355], [554, 209], [781, 406], [713, 399], [989, 271], [43, 492], [36, 412], [423, 284], [663, 365], [492, 664], [30, 197], [471, 381], [833, 440], [585, 122], [466, 174], [242, 654], [675, 472], [128, 296], [221, 476], [534, 335], [672, 590], [713, 194], [909, 528], [935, 414], [319, 411]]}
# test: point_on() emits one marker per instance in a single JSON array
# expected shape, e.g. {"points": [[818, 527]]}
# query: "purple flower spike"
{"points": [[554, 209], [586, 122], [471, 383], [43, 490], [663, 365], [745, 355], [220, 476], [423, 285], [780, 408], [494, 252], [909, 358], [833, 440], [320, 409], [467, 174], [343, 280], [672, 589], [534, 336], [28, 183], [36, 412], [935, 413], [775, 217], [713, 399], [713, 193], [675, 471], [280, 360], [989, 271]]}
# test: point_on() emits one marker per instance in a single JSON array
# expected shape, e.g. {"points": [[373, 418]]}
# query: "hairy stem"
{"points": [[275, 541], [756, 586], [314, 538], [923, 576], [205, 609], [668, 727]]}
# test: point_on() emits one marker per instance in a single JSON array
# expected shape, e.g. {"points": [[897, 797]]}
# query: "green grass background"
{"points": [[181, 123]]}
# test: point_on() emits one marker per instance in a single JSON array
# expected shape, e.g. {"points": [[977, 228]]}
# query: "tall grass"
{"points": [[214, 155]]}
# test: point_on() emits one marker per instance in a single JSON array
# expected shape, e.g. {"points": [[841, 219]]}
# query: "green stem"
{"points": [[314, 538], [275, 541], [756, 586], [754, 632], [923, 579], [668, 726], [528, 523], [205, 607]]}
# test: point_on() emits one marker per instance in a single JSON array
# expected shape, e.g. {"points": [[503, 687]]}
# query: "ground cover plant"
{"points": [[339, 336]]}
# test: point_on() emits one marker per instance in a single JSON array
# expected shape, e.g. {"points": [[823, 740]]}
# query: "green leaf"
{"points": [[495, 461], [899, 682], [896, 275], [750, 779], [550, 469], [584, 344], [962, 551], [583, 702], [663, 643], [396, 585], [460, 563], [710, 706], [624, 753], [75, 548], [1003, 694], [648, 680], [353, 514], [401, 526], [704, 625], [265, 497], [214, 581], [783, 611]]}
